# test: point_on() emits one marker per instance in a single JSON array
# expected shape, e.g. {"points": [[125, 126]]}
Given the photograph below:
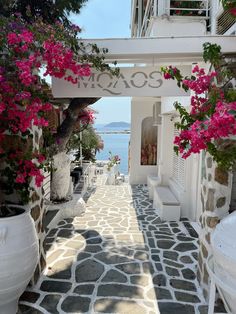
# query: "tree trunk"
{"points": [[61, 180]]}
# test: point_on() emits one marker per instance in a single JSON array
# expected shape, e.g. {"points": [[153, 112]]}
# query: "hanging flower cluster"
{"points": [[212, 114], [88, 117], [25, 49]]}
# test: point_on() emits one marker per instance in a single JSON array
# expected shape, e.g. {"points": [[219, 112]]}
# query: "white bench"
{"points": [[166, 203], [152, 181]]}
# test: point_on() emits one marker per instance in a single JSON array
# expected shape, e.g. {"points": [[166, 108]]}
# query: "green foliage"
{"points": [[92, 54], [230, 95], [223, 152], [186, 119], [50, 11], [90, 144], [212, 54]]}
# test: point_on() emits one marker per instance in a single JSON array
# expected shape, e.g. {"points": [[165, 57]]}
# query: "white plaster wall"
{"points": [[140, 109], [177, 26], [167, 103]]}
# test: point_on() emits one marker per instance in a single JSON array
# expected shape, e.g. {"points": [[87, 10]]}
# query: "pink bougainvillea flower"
{"points": [[2, 107], [41, 158], [23, 98], [167, 76], [233, 11], [20, 178]]}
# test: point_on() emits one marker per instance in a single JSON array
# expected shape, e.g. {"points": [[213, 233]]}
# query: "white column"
{"points": [[163, 5]]}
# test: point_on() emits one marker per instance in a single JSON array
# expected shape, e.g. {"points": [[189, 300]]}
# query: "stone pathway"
{"points": [[118, 258]]}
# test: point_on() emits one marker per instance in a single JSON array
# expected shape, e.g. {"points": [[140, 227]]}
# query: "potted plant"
{"points": [[113, 161], [112, 168]]}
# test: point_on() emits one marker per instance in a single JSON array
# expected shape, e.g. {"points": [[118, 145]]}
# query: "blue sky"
{"points": [[107, 19]]}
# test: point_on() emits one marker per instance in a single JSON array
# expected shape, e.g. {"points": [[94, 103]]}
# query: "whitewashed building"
{"points": [[205, 195]]}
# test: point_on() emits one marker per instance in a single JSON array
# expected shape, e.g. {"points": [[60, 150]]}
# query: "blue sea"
{"points": [[118, 144]]}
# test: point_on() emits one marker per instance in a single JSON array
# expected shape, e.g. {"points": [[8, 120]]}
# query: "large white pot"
{"points": [[19, 255], [224, 255]]}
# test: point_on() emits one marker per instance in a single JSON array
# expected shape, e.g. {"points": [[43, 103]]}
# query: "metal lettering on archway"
{"points": [[132, 81]]}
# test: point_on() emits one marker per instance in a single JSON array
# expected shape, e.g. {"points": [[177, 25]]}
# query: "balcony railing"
{"points": [[191, 8], [188, 8]]}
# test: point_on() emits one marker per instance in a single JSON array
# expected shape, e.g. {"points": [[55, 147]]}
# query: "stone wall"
{"points": [[215, 198], [38, 212]]}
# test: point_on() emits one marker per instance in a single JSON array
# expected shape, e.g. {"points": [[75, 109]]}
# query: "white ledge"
{"points": [[160, 49]]}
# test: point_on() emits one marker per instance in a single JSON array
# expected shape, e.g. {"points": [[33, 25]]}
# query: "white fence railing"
{"points": [[150, 11], [188, 8]]}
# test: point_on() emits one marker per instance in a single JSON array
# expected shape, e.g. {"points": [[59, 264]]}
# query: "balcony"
{"points": [[193, 9]]}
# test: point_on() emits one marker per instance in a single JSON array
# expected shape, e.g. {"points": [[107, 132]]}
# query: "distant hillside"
{"points": [[118, 125]]}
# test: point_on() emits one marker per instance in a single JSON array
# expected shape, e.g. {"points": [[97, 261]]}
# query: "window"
{"points": [[148, 142]]}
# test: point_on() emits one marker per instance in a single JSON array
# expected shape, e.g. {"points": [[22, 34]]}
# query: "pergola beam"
{"points": [[160, 50]]}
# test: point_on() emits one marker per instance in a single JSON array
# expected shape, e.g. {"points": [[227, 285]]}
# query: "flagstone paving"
{"points": [[118, 257]]}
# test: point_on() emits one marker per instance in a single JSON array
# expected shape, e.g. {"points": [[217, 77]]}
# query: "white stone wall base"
{"points": [[69, 209], [152, 181]]}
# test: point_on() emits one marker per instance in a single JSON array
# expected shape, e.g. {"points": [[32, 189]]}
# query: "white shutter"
{"points": [[178, 170], [224, 22]]}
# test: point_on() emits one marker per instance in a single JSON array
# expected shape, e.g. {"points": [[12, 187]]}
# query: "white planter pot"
{"points": [[19, 255]]}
